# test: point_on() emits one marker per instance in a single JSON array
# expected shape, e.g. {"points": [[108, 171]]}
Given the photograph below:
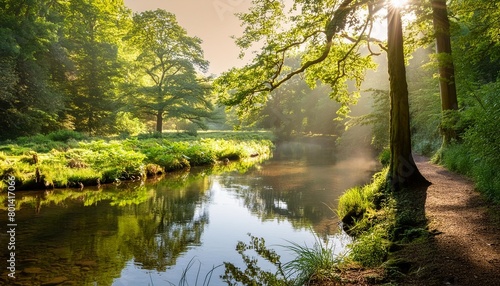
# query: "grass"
{"points": [[187, 273], [316, 263], [58, 160], [358, 201], [381, 222], [370, 218]]}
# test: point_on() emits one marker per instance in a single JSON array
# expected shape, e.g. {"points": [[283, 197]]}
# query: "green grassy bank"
{"points": [[69, 159], [382, 223]]}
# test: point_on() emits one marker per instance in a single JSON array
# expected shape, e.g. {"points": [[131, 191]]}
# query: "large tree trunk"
{"points": [[402, 169], [446, 69], [159, 121]]}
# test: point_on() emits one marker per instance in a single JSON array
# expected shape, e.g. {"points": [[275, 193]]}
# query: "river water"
{"points": [[152, 233]]}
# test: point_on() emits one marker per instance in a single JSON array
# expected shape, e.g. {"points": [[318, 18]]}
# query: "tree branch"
{"points": [[336, 24]]}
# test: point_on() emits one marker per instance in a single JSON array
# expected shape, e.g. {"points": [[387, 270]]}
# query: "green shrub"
{"points": [[66, 135]]}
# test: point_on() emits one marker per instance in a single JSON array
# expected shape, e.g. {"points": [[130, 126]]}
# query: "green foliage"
{"points": [[384, 157], [318, 262], [71, 65], [425, 104], [66, 135], [371, 248], [173, 87], [359, 200], [254, 274], [67, 164], [282, 35], [127, 125], [29, 98], [94, 39], [295, 108], [374, 227], [478, 154]]}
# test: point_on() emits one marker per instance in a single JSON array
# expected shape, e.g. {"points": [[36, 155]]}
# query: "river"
{"points": [[151, 233]]}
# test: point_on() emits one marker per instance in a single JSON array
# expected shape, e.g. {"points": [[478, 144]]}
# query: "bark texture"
{"points": [[402, 169], [446, 69]]}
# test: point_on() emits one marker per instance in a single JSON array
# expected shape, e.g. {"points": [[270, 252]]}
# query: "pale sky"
{"points": [[211, 20]]}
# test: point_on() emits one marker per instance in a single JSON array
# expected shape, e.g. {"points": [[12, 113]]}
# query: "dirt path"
{"points": [[465, 247]]}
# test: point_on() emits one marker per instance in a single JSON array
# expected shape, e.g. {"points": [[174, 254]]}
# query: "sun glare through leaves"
{"points": [[397, 3]]}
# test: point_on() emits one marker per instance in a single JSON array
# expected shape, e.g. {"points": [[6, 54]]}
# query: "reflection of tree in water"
{"points": [[301, 184], [88, 236], [170, 222], [282, 199]]}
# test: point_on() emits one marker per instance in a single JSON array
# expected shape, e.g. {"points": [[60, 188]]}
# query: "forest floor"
{"points": [[464, 248]]}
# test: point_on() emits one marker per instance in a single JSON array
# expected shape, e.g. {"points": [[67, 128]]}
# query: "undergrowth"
{"points": [[58, 160], [316, 263], [477, 152], [381, 221]]}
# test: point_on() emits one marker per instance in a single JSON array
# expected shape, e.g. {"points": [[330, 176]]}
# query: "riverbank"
{"points": [[455, 242], [70, 159]]}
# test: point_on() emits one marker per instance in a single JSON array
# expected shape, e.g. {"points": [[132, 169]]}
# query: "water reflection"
{"points": [[89, 236], [136, 233], [301, 184]]}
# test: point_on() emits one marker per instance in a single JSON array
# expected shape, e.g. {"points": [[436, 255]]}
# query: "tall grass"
{"points": [[188, 273], [358, 200], [316, 263]]}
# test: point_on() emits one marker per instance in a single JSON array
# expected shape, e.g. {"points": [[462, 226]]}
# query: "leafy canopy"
{"points": [[328, 35]]}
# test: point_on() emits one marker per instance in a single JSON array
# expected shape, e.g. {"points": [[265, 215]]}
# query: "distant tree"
{"points": [[330, 35], [167, 69], [296, 108], [477, 43]]}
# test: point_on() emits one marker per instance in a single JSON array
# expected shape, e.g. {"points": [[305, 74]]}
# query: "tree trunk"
{"points": [[159, 121], [402, 169], [446, 69]]}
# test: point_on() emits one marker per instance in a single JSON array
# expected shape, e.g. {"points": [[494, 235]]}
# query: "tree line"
{"points": [[95, 67]]}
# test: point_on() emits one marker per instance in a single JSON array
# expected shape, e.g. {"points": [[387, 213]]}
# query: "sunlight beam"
{"points": [[398, 4]]}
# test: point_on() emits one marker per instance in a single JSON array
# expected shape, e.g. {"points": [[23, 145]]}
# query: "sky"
{"points": [[211, 20]]}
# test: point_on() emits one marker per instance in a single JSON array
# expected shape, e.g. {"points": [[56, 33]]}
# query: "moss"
{"points": [[381, 220]]}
